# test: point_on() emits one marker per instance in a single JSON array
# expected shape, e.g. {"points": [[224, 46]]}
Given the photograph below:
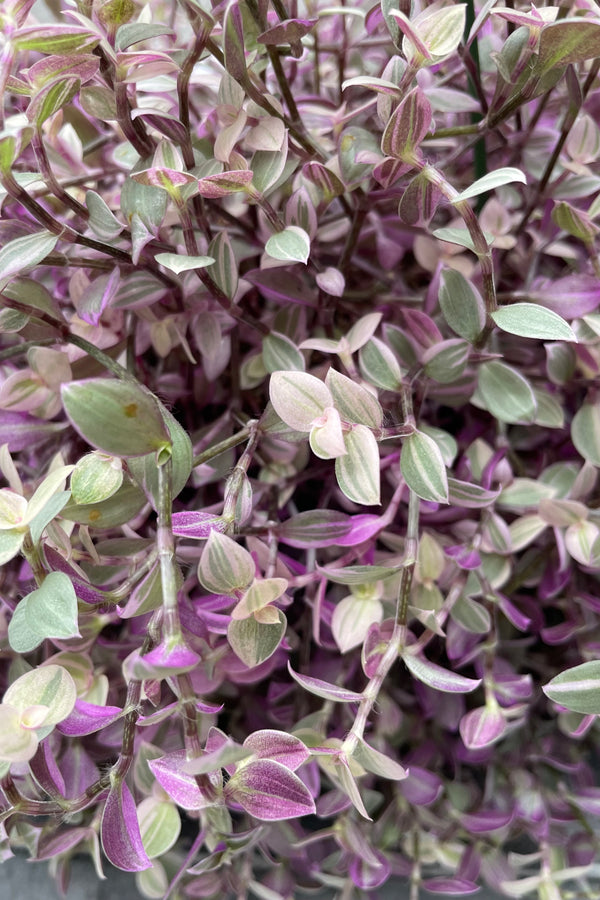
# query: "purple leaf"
{"points": [[422, 787], [453, 886], [62, 842], [196, 524], [46, 772], [465, 557], [363, 527], [83, 590], [482, 727], [179, 785], [365, 874], [325, 689], [21, 431], [484, 820], [166, 659], [99, 294], [438, 678], [279, 746], [87, 718], [407, 126], [571, 297], [269, 791], [120, 831]]}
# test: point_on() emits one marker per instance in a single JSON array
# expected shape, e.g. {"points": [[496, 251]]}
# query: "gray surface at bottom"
{"points": [[23, 880]]}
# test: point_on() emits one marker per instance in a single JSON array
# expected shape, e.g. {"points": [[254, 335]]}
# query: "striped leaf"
{"points": [[423, 469], [357, 472], [585, 432], [225, 566], [407, 126], [354, 402], [436, 677], [578, 688], [299, 398]]}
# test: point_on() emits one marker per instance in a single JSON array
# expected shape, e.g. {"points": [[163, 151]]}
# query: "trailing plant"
{"points": [[300, 438]]}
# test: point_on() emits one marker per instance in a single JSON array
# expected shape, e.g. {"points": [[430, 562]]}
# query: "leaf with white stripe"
{"points": [[585, 432], [354, 402], [423, 469], [436, 677], [357, 472], [577, 689], [225, 566]]}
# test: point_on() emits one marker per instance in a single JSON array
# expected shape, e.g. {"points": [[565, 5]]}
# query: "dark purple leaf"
{"points": [[45, 770], [269, 791], [365, 874], [571, 297], [422, 787], [120, 831]]}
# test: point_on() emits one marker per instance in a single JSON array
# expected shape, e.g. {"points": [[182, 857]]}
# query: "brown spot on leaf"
{"points": [[130, 410], [95, 514]]}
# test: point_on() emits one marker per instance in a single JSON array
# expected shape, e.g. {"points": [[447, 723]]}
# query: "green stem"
{"points": [[224, 445], [165, 544]]}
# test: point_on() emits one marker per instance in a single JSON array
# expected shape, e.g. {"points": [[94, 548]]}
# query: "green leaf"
{"points": [[115, 416], [281, 354], [445, 361], [533, 321], [254, 642], [51, 98], [160, 825], [299, 398], [48, 512], [178, 263], [47, 685], [490, 182], [144, 470], [563, 43], [118, 509], [378, 763], [506, 393], [48, 612], [357, 574], [461, 304], [379, 365], [291, 245], [102, 221], [357, 472], [96, 477], [354, 402], [225, 566], [423, 468], [577, 688], [225, 269], [11, 542], [585, 432], [135, 32], [25, 252]]}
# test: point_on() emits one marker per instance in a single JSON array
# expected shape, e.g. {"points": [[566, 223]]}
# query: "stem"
{"points": [[133, 129], [166, 551], [224, 445], [198, 841], [57, 189], [235, 482]]}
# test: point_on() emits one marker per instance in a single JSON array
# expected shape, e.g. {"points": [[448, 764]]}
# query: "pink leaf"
{"points": [[195, 524], [120, 831], [279, 746], [179, 785], [88, 718], [269, 791]]}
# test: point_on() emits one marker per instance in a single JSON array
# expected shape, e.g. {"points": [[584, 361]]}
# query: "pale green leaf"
{"points": [[178, 263], [423, 468], [491, 181], [506, 393], [48, 612], [577, 688], [357, 472], [290, 245], [533, 321], [585, 432]]}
